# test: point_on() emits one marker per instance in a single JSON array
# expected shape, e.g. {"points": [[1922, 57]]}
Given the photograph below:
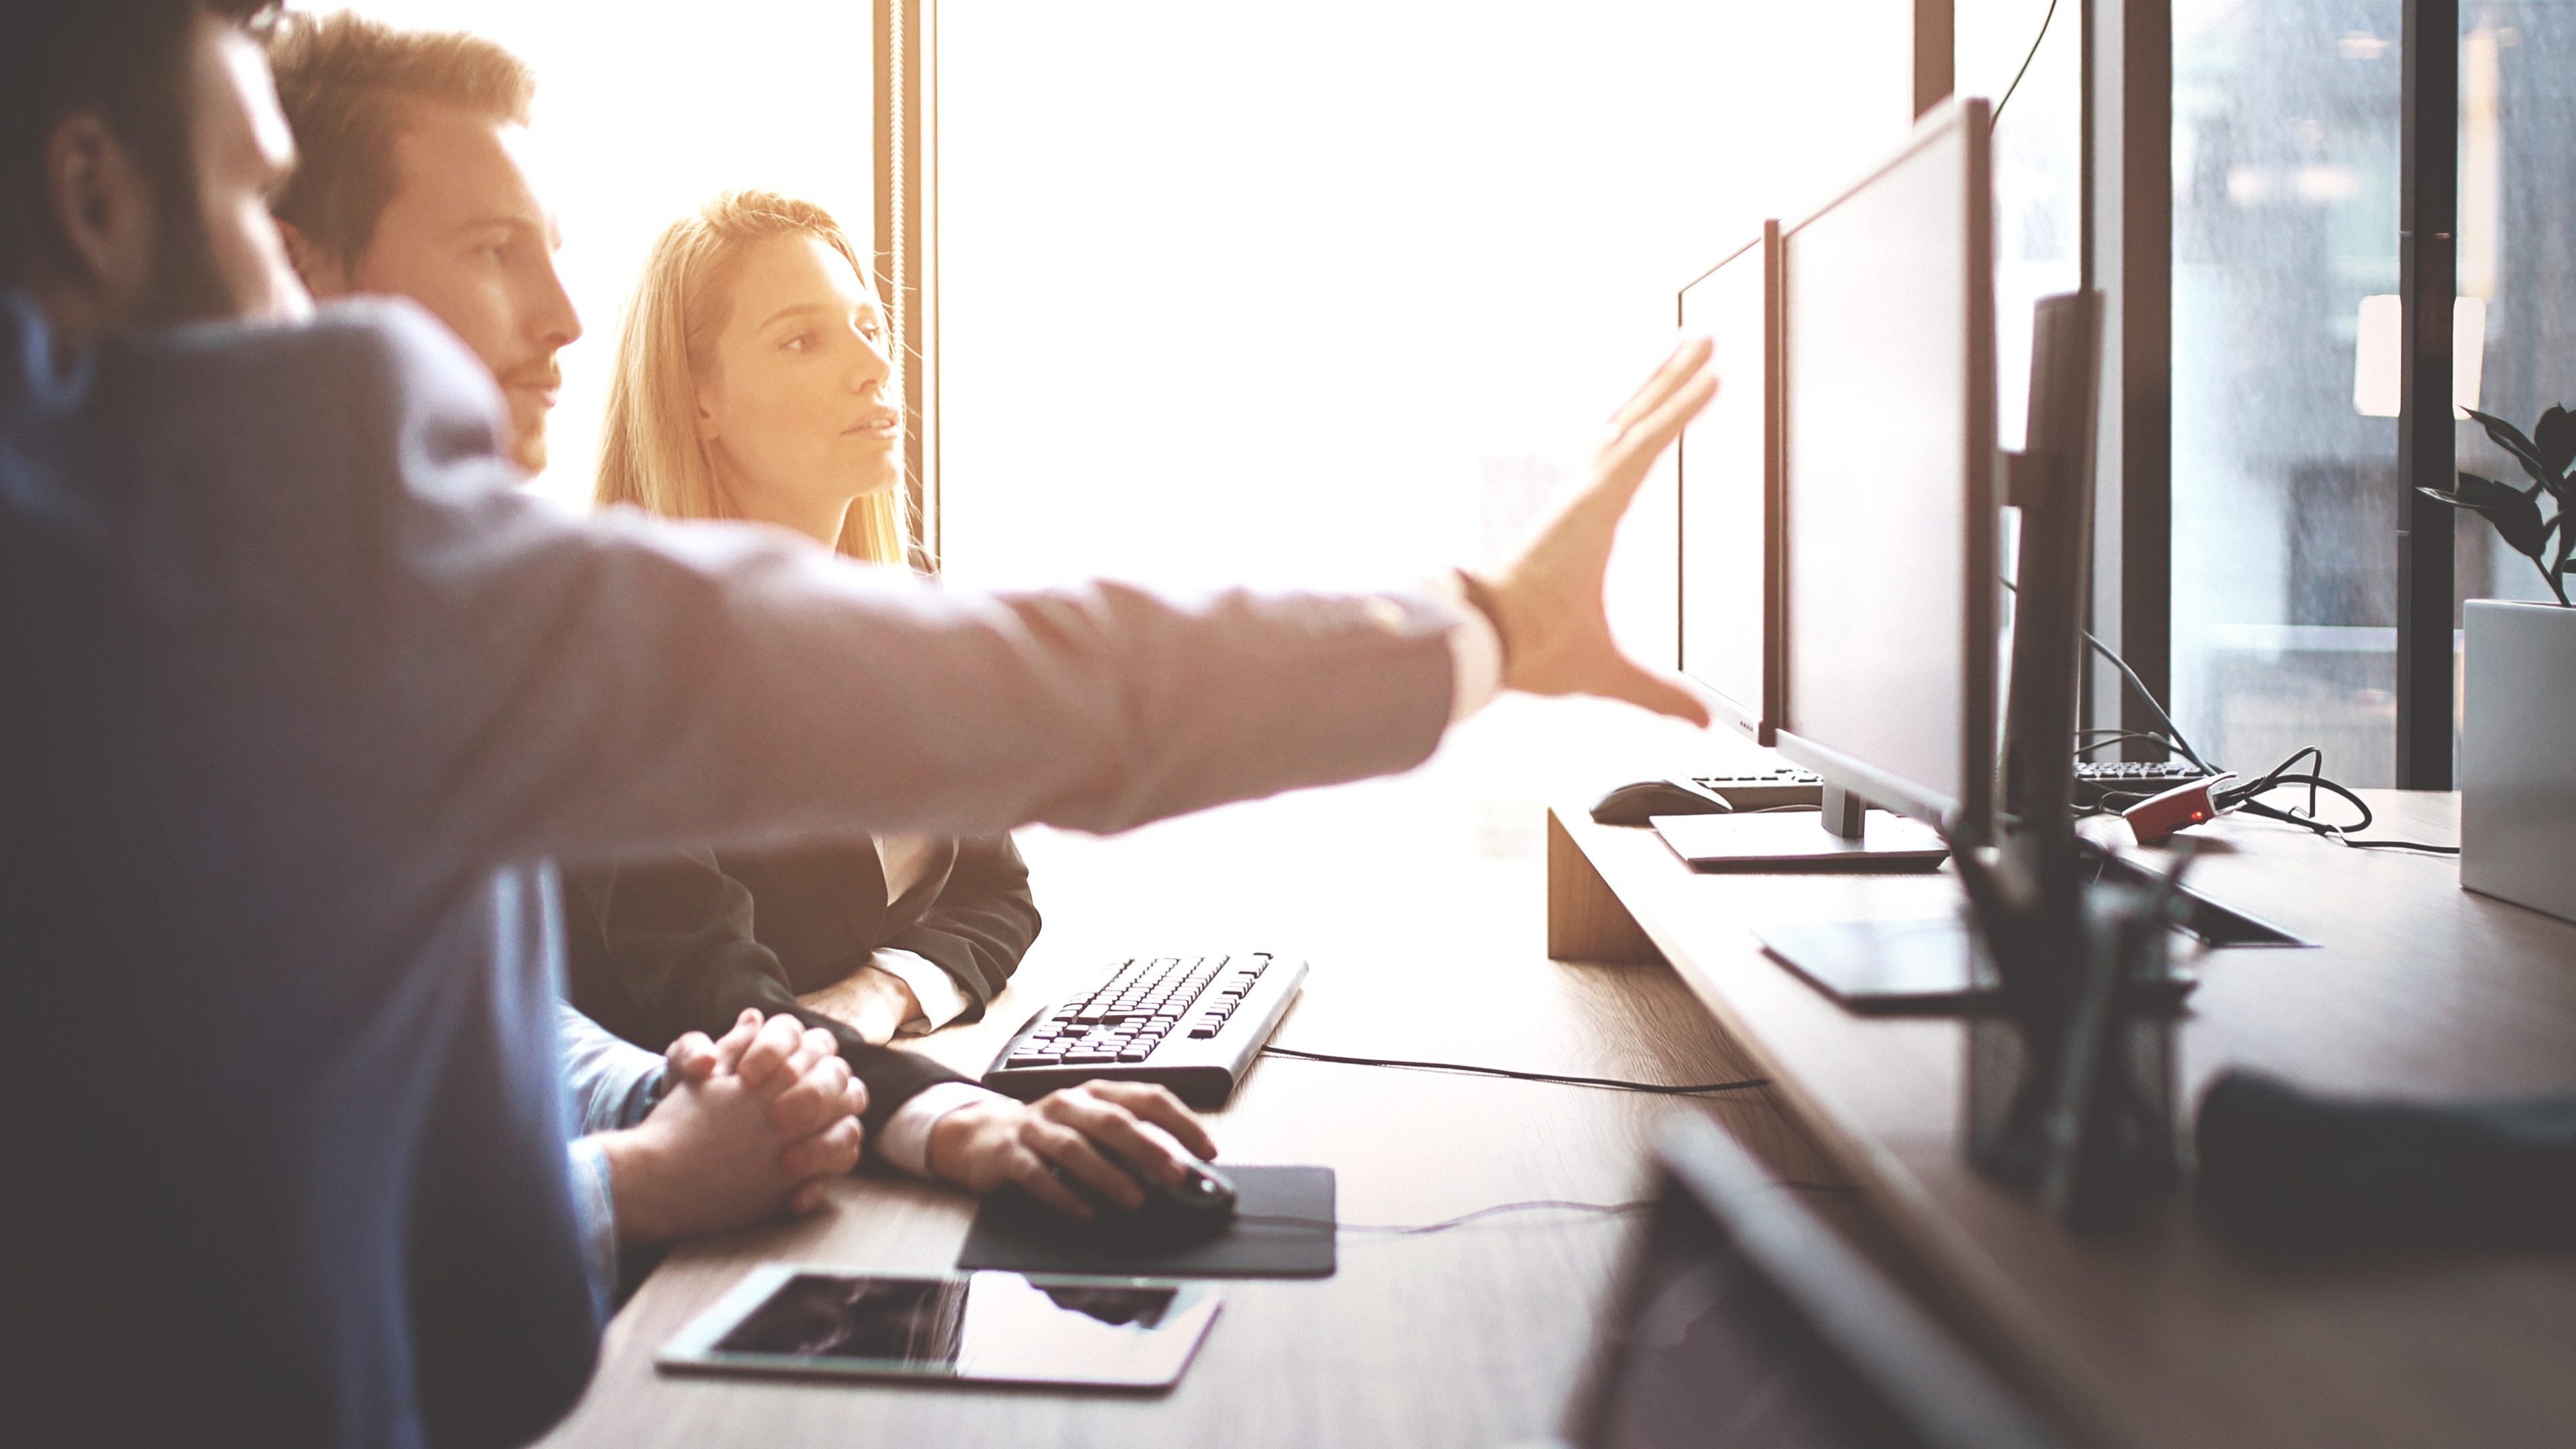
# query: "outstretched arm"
{"points": [[383, 619]]}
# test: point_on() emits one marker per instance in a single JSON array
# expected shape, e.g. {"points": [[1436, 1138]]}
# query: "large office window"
{"points": [[2518, 243], [644, 110], [1341, 292], [2286, 132]]}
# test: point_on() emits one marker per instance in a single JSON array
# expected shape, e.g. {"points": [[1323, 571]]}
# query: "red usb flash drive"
{"points": [[2180, 808]]}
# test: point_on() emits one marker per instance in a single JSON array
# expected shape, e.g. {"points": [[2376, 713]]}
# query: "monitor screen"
{"points": [[1889, 463], [1744, 1323], [1713, 1356], [1724, 461]]}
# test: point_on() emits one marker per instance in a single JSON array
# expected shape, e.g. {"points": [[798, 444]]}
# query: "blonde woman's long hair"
{"points": [[650, 454]]}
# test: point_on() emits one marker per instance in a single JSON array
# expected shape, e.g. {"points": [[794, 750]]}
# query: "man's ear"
{"points": [[102, 213], [322, 274]]}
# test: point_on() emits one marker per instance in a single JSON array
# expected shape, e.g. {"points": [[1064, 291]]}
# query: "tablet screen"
{"points": [[1002, 1327]]}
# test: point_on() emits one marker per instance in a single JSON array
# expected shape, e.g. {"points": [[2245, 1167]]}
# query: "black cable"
{"points": [[2118, 737], [1542, 1204], [1608, 1083], [2146, 696], [2246, 797], [1406, 1230], [1997, 117]]}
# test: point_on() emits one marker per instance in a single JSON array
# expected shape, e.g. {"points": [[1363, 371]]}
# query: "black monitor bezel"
{"points": [[1969, 816], [1946, 1397], [1757, 720]]}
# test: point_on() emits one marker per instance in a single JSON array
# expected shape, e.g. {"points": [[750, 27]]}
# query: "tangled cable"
{"points": [[2248, 798]]}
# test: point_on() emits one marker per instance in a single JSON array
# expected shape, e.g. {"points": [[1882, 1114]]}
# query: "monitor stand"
{"points": [[1910, 967], [1845, 836]]}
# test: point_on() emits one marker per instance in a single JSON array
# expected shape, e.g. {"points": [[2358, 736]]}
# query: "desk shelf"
{"points": [[2164, 1336]]}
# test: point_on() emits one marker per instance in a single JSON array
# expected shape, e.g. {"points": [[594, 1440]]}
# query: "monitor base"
{"points": [[1799, 841], [1921, 967]]}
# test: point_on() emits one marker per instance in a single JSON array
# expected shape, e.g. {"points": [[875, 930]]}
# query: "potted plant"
{"points": [[2518, 704]]}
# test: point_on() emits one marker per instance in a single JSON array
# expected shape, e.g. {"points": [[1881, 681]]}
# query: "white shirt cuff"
{"points": [[904, 1142], [1475, 651], [942, 1000]]}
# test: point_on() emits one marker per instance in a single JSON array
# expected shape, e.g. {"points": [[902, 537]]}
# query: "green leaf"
{"points": [[2514, 513], [2510, 438], [2554, 439]]}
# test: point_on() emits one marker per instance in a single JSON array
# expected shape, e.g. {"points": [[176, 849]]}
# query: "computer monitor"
{"points": [[1729, 466], [1888, 467], [1744, 1323]]}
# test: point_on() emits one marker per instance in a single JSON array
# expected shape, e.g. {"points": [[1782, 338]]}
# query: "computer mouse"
{"points": [[1205, 1197], [1636, 804], [1199, 1206]]}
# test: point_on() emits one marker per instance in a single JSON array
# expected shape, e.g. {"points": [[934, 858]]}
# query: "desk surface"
{"points": [[2163, 1336], [1424, 926]]}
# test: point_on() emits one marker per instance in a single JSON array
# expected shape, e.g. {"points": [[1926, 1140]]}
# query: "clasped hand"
{"points": [[753, 1124]]}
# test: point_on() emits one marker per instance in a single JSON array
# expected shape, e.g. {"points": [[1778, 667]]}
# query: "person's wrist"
{"points": [[634, 1158], [1482, 597], [956, 1140]]}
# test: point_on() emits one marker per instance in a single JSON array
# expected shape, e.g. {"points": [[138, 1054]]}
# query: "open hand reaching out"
{"points": [[1546, 599]]}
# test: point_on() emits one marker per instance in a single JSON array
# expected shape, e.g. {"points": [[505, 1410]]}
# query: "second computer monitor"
{"points": [[1729, 463], [1889, 466]]}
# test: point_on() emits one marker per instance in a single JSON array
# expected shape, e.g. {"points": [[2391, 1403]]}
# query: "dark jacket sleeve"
{"points": [[664, 946], [982, 923]]}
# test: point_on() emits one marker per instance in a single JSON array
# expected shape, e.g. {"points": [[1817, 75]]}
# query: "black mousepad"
{"points": [[1015, 1234]]}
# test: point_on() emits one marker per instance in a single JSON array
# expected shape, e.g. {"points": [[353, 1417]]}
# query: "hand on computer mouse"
{"points": [[1102, 1135]]}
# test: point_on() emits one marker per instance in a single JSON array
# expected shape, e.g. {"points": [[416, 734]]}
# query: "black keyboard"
{"points": [[1190, 1023], [2131, 780], [1778, 789]]}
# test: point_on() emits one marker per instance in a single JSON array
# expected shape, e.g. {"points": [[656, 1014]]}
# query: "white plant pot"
{"points": [[2518, 755]]}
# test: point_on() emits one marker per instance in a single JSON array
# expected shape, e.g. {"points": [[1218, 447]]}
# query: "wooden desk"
{"points": [[1423, 923], [2163, 1336]]}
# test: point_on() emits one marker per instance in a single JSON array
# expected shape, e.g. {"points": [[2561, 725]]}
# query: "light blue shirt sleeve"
{"points": [[609, 1083], [597, 1215]]}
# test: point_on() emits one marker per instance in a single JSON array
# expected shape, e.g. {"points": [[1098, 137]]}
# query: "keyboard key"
{"points": [[1135, 1054], [1202, 1033], [1089, 1057]]}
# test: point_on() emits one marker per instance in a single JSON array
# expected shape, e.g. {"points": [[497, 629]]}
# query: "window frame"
{"points": [[906, 243]]}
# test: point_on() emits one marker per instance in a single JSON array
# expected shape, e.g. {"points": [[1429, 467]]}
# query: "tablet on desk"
{"points": [[998, 1328]]}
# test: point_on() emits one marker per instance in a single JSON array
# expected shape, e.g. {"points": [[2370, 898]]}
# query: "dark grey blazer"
{"points": [[297, 685], [684, 942]]}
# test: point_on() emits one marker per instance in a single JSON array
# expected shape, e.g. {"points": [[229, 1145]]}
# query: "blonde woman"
{"points": [[753, 382]]}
